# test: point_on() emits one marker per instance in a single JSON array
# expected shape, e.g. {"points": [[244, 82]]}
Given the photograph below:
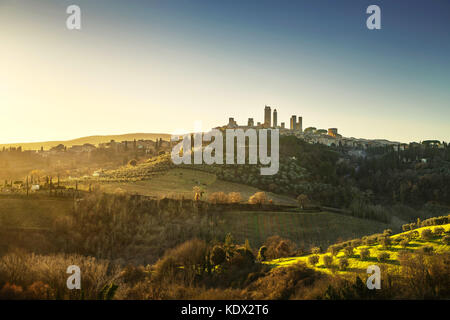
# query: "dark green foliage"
{"points": [[334, 249], [427, 249], [386, 241], [314, 259], [348, 251], [439, 231], [370, 240], [383, 256], [413, 235], [327, 261], [426, 234], [364, 254], [218, 255], [404, 243], [343, 263], [356, 243]]}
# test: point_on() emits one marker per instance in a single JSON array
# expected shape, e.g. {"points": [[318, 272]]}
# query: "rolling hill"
{"points": [[95, 140]]}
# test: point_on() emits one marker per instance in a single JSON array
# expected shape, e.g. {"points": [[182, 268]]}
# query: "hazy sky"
{"points": [[158, 66]]}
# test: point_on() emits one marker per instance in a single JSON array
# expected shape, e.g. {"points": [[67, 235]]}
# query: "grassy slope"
{"points": [[34, 212], [306, 229], [358, 266], [180, 182], [95, 140]]}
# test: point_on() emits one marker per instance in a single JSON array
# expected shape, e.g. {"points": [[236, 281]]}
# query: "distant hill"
{"points": [[95, 140]]}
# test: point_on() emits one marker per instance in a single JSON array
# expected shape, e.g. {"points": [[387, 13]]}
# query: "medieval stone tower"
{"points": [[275, 124], [267, 117]]}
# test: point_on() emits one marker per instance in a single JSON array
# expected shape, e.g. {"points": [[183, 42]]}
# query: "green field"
{"points": [[356, 265], [305, 229]]}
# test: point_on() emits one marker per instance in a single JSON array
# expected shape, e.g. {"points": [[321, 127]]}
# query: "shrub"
{"points": [[278, 247], [370, 241], [404, 243], [446, 240], [218, 197], [343, 263], [327, 261], [184, 262], [439, 231], [234, 197], [387, 232], [39, 291], [364, 254], [258, 198], [383, 256], [302, 200], [314, 259], [315, 250], [34, 272], [132, 274], [386, 241], [218, 255], [348, 251], [334, 249], [283, 248], [426, 234], [414, 234], [427, 249], [356, 243], [11, 292]]}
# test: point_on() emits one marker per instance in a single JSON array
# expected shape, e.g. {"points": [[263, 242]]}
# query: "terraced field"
{"points": [[356, 265], [306, 229]]}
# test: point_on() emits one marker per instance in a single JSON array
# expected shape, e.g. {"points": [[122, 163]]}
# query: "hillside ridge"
{"points": [[95, 140]]}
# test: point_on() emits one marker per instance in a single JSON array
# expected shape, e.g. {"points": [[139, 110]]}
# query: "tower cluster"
{"points": [[270, 121]]}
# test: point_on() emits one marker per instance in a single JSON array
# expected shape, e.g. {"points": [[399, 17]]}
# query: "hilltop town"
{"points": [[329, 137]]}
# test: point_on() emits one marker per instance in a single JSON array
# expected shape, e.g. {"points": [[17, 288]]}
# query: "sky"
{"points": [[162, 66]]}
